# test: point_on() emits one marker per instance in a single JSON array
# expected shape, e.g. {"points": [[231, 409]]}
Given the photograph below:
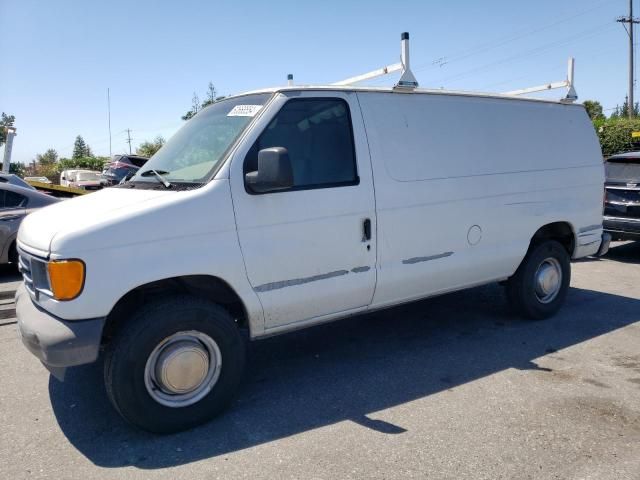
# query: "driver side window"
{"points": [[317, 134], [10, 199]]}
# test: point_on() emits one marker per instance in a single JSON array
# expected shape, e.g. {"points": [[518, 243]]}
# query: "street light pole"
{"points": [[6, 162]]}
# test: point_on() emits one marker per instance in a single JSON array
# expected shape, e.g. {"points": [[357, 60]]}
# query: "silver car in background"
{"points": [[13, 179], [15, 204]]}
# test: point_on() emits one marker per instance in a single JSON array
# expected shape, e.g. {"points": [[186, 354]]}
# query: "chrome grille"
{"points": [[33, 272], [24, 265]]}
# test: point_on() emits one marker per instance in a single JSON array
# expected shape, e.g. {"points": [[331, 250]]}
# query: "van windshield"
{"points": [[195, 151]]}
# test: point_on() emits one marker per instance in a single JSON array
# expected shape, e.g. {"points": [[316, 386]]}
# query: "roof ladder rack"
{"points": [[407, 80], [571, 95]]}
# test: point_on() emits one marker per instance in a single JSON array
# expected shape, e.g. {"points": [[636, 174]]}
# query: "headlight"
{"points": [[66, 278]]}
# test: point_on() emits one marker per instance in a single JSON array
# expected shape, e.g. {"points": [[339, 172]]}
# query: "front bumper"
{"points": [[57, 343], [622, 228]]}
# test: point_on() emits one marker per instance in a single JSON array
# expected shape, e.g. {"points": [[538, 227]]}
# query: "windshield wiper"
{"points": [[158, 174]]}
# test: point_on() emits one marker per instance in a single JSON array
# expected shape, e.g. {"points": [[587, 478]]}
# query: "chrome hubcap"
{"points": [[183, 369], [548, 280]]}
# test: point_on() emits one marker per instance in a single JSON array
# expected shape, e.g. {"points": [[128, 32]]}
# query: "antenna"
{"points": [[407, 80], [571, 95]]}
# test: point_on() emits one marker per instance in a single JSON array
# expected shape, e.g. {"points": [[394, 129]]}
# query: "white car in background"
{"points": [[38, 179], [66, 177], [86, 180]]}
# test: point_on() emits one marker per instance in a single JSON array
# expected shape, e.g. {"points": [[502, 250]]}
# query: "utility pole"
{"points": [[129, 139], [109, 110], [630, 20]]}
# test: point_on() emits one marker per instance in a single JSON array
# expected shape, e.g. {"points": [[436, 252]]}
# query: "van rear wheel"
{"points": [[539, 287], [174, 365]]}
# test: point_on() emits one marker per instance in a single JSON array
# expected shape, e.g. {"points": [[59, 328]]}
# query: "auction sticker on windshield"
{"points": [[244, 111]]}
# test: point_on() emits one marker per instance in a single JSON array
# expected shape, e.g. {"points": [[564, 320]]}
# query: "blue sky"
{"points": [[59, 57]]}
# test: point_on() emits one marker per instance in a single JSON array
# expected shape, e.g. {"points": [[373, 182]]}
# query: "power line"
{"points": [[444, 60], [530, 53]]}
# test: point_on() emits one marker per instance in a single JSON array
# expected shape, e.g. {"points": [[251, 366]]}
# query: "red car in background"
{"points": [[121, 168]]}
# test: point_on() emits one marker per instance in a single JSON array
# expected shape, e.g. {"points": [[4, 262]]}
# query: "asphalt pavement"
{"points": [[453, 387]]}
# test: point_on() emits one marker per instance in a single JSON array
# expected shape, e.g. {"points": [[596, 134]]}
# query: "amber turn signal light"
{"points": [[66, 278]]}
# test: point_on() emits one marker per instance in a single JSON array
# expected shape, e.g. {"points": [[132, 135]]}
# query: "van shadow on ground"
{"points": [[624, 252], [343, 371]]}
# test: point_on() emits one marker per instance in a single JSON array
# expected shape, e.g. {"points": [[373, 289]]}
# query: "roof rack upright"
{"points": [[571, 95], [407, 80]]}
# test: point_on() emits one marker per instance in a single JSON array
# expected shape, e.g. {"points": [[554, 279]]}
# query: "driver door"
{"points": [[309, 250]]}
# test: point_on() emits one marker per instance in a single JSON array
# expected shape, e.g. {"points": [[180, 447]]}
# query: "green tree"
{"points": [[623, 111], [211, 95], [615, 135], [81, 149], [594, 109], [5, 121], [85, 163], [147, 149], [196, 106], [16, 168], [49, 157]]}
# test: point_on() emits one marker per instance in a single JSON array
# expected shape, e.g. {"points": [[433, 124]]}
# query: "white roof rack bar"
{"points": [[571, 95], [369, 75], [407, 80]]}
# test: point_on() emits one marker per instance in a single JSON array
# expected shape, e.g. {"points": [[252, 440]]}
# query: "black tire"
{"points": [[127, 354], [521, 287]]}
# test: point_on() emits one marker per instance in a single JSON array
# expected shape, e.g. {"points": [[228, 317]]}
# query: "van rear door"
{"points": [[309, 250]]}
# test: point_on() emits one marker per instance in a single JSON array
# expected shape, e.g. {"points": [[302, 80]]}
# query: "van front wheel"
{"points": [[539, 287], [175, 364]]}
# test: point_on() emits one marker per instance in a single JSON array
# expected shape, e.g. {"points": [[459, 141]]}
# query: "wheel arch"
{"points": [[562, 231], [208, 287], [11, 241]]}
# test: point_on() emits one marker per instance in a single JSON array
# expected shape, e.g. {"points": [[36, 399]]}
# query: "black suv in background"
{"points": [[622, 197], [121, 167]]}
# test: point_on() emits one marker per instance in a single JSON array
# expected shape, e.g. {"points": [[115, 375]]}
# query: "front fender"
{"points": [[114, 272]]}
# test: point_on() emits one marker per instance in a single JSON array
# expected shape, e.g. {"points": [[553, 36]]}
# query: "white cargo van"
{"points": [[288, 207], [66, 177]]}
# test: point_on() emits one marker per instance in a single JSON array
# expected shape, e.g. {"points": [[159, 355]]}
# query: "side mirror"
{"points": [[274, 171]]}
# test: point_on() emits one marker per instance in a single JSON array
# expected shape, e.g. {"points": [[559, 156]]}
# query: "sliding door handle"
{"points": [[366, 230]]}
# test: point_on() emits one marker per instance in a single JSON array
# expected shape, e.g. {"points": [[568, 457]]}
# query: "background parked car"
{"points": [[38, 179], [15, 204], [121, 167], [66, 177], [622, 198], [12, 179], [86, 180]]}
